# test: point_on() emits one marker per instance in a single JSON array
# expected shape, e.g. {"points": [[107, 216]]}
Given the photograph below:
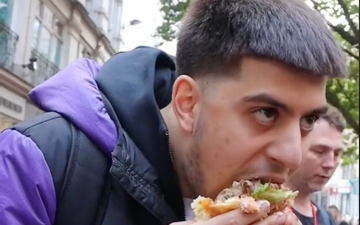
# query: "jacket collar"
{"points": [[137, 84]]}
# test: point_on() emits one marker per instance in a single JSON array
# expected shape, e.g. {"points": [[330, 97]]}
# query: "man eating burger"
{"points": [[248, 87]]}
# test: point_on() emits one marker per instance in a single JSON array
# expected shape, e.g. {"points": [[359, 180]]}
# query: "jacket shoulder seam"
{"points": [[39, 123]]}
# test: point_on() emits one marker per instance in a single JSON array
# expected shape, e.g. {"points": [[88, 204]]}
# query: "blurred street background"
{"points": [[40, 37]]}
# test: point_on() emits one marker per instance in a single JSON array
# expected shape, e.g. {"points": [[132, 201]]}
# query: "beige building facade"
{"points": [[40, 37]]}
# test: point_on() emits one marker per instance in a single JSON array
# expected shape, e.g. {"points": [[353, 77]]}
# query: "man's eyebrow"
{"points": [[320, 146], [325, 148], [319, 111], [267, 99]]}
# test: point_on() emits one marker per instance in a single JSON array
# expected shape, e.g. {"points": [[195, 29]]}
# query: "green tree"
{"points": [[342, 17]]}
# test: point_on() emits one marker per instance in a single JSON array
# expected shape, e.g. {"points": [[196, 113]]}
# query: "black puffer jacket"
{"points": [[142, 166]]}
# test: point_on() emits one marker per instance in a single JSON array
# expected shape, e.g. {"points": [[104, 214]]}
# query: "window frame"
{"points": [[52, 28], [114, 17], [84, 49]]}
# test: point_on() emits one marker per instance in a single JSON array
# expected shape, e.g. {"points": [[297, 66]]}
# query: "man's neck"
{"points": [[175, 140], [302, 204]]}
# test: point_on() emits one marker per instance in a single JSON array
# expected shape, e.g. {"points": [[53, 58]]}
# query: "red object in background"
{"points": [[340, 190], [333, 191]]}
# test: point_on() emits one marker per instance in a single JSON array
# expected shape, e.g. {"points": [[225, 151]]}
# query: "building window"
{"points": [[114, 27], [114, 12], [107, 4], [84, 51], [48, 31], [88, 5], [80, 51], [6, 8]]}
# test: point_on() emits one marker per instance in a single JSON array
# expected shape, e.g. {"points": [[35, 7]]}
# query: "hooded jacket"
{"points": [[137, 84]]}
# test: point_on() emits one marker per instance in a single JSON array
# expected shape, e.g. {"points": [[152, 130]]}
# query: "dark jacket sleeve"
{"points": [[27, 194]]}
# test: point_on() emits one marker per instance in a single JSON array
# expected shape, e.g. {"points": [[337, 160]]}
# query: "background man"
{"points": [[336, 214], [319, 164]]}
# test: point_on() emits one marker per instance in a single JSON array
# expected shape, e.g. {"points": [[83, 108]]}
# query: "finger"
{"points": [[292, 219], [279, 218], [183, 223], [238, 217]]}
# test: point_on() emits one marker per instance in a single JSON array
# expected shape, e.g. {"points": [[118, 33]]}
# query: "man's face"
{"points": [[334, 213], [321, 160], [246, 127]]}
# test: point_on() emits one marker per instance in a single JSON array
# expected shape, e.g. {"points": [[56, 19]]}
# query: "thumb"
{"points": [[279, 219]]}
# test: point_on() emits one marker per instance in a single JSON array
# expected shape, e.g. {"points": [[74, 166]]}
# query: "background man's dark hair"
{"points": [[334, 207], [335, 119], [215, 34], [339, 215]]}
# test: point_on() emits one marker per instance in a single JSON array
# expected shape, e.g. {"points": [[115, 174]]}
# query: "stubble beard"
{"points": [[192, 170]]}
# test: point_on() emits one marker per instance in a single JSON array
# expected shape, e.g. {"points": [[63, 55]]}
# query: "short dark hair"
{"points": [[334, 117], [334, 207], [216, 34]]}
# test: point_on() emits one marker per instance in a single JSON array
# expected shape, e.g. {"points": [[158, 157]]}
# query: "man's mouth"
{"points": [[269, 179], [323, 177]]}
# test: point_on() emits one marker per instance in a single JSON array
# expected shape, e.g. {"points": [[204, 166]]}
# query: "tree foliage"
{"points": [[342, 17]]}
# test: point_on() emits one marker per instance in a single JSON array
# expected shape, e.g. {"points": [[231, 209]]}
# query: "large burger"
{"points": [[243, 195]]}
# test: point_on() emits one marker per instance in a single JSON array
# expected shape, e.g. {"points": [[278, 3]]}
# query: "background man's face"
{"points": [[321, 160], [335, 214], [251, 126]]}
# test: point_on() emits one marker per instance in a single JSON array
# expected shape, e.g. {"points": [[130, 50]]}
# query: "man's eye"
{"points": [[307, 123], [317, 151], [337, 154], [265, 116]]}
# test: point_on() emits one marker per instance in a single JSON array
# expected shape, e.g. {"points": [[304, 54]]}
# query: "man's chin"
{"points": [[316, 187]]}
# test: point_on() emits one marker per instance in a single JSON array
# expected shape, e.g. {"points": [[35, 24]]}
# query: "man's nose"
{"points": [[287, 149], [329, 161]]}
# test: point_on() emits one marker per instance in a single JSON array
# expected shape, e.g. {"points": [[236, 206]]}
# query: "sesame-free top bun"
{"points": [[243, 195]]}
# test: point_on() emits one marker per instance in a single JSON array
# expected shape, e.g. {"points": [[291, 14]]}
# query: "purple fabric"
{"points": [[73, 93], [27, 194]]}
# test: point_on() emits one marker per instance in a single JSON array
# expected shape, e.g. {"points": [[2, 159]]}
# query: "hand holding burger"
{"points": [[244, 195], [246, 202]]}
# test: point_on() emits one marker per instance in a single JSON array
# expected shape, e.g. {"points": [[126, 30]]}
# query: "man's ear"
{"points": [[185, 99]]}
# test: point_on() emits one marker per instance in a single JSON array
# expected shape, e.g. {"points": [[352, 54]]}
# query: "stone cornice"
{"points": [[86, 18]]}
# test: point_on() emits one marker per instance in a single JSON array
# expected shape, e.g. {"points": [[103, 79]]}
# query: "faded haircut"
{"points": [[216, 34], [334, 118]]}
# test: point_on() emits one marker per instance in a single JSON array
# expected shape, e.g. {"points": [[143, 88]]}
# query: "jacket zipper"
{"points": [[172, 161]]}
